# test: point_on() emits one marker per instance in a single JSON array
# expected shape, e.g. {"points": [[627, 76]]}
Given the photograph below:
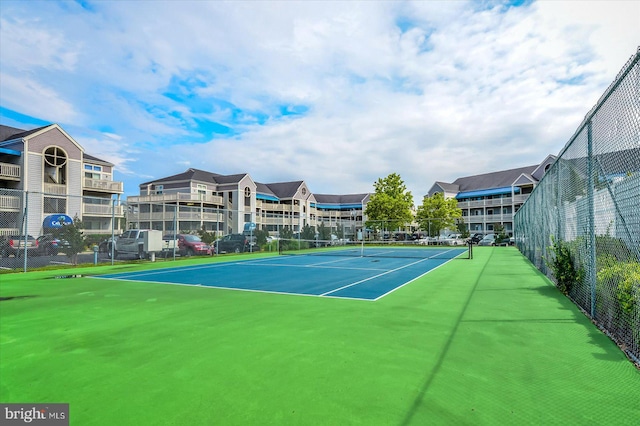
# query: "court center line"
{"points": [[374, 277]]}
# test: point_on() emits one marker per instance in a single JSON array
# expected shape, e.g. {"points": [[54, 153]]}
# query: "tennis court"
{"points": [[344, 272], [486, 341]]}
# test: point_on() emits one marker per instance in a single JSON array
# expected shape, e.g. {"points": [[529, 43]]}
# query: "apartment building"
{"points": [[224, 204], [45, 173], [492, 199]]}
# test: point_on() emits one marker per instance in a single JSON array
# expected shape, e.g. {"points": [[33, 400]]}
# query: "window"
{"points": [[92, 171], [54, 205], [202, 190], [55, 165], [247, 196], [159, 189]]}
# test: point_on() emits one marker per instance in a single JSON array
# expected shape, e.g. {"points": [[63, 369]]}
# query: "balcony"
{"points": [[488, 218], [182, 216], [55, 189], [175, 197], [103, 185], [5, 232], [10, 203], [104, 210], [9, 171]]}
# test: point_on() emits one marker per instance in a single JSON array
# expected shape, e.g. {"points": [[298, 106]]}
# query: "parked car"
{"points": [[189, 245], [488, 240], [48, 245], [15, 245], [475, 238], [453, 240], [506, 241], [233, 243], [105, 245]]}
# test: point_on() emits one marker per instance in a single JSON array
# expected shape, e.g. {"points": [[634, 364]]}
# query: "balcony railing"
{"points": [[175, 197], [101, 210], [103, 185], [54, 188], [488, 218], [5, 232], [10, 203], [9, 171]]}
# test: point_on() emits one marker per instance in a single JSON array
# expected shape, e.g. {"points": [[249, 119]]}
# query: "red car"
{"points": [[189, 245]]}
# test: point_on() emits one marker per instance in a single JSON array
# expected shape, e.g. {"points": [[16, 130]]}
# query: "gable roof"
{"points": [[499, 179], [10, 133], [340, 199], [189, 174], [91, 158], [285, 189]]}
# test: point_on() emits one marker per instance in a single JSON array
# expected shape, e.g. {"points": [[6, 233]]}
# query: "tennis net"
{"points": [[401, 249]]}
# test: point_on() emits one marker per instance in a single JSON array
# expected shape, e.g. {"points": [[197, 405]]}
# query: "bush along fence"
{"points": [[581, 224]]}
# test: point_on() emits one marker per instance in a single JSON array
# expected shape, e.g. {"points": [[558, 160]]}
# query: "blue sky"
{"points": [[336, 93]]}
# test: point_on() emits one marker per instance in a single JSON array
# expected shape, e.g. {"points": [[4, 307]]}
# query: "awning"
{"points": [[56, 221], [10, 152], [266, 197], [339, 206], [487, 192]]}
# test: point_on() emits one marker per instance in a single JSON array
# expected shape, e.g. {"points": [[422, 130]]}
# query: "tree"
{"points": [[462, 228], [308, 232], [71, 233], [324, 233], [205, 236], [390, 206], [437, 214]]}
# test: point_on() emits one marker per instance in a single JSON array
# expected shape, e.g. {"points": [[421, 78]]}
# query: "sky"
{"points": [[335, 93]]}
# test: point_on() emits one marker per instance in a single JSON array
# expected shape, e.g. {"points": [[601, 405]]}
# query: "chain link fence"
{"points": [[581, 224], [31, 225]]}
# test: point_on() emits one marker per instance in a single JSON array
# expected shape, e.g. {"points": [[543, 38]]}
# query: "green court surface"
{"points": [[488, 341]]}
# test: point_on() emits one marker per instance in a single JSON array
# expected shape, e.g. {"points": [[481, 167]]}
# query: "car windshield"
{"points": [[192, 238]]}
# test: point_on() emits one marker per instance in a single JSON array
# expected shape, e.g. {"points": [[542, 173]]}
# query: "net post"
{"points": [[470, 256]]}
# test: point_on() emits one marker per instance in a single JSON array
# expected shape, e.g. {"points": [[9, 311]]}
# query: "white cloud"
{"points": [[454, 92]]}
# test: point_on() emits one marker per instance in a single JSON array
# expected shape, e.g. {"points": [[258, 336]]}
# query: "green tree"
{"points": [[72, 234], [205, 236], [324, 233], [463, 230], [308, 232], [500, 232], [390, 206], [286, 233], [261, 236], [437, 214]]}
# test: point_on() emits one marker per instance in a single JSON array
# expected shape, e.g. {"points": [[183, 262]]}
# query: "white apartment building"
{"points": [[44, 173], [492, 199], [224, 204]]}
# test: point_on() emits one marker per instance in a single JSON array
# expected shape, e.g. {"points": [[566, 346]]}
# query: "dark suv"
{"points": [[233, 243], [48, 245]]}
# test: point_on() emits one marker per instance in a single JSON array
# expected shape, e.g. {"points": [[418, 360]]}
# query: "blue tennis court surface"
{"points": [[365, 278]]}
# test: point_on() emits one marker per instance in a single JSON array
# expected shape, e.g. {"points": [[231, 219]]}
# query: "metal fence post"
{"points": [[25, 227], [591, 263]]}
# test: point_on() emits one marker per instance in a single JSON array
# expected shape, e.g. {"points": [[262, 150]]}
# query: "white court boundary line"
{"points": [[250, 262]]}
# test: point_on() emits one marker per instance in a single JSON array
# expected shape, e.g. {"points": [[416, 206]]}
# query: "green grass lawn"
{"points": [[486, 341]]}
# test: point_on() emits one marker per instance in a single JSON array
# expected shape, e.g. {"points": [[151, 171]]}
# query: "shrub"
{"points": [[626, 277], [562, 265]]}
